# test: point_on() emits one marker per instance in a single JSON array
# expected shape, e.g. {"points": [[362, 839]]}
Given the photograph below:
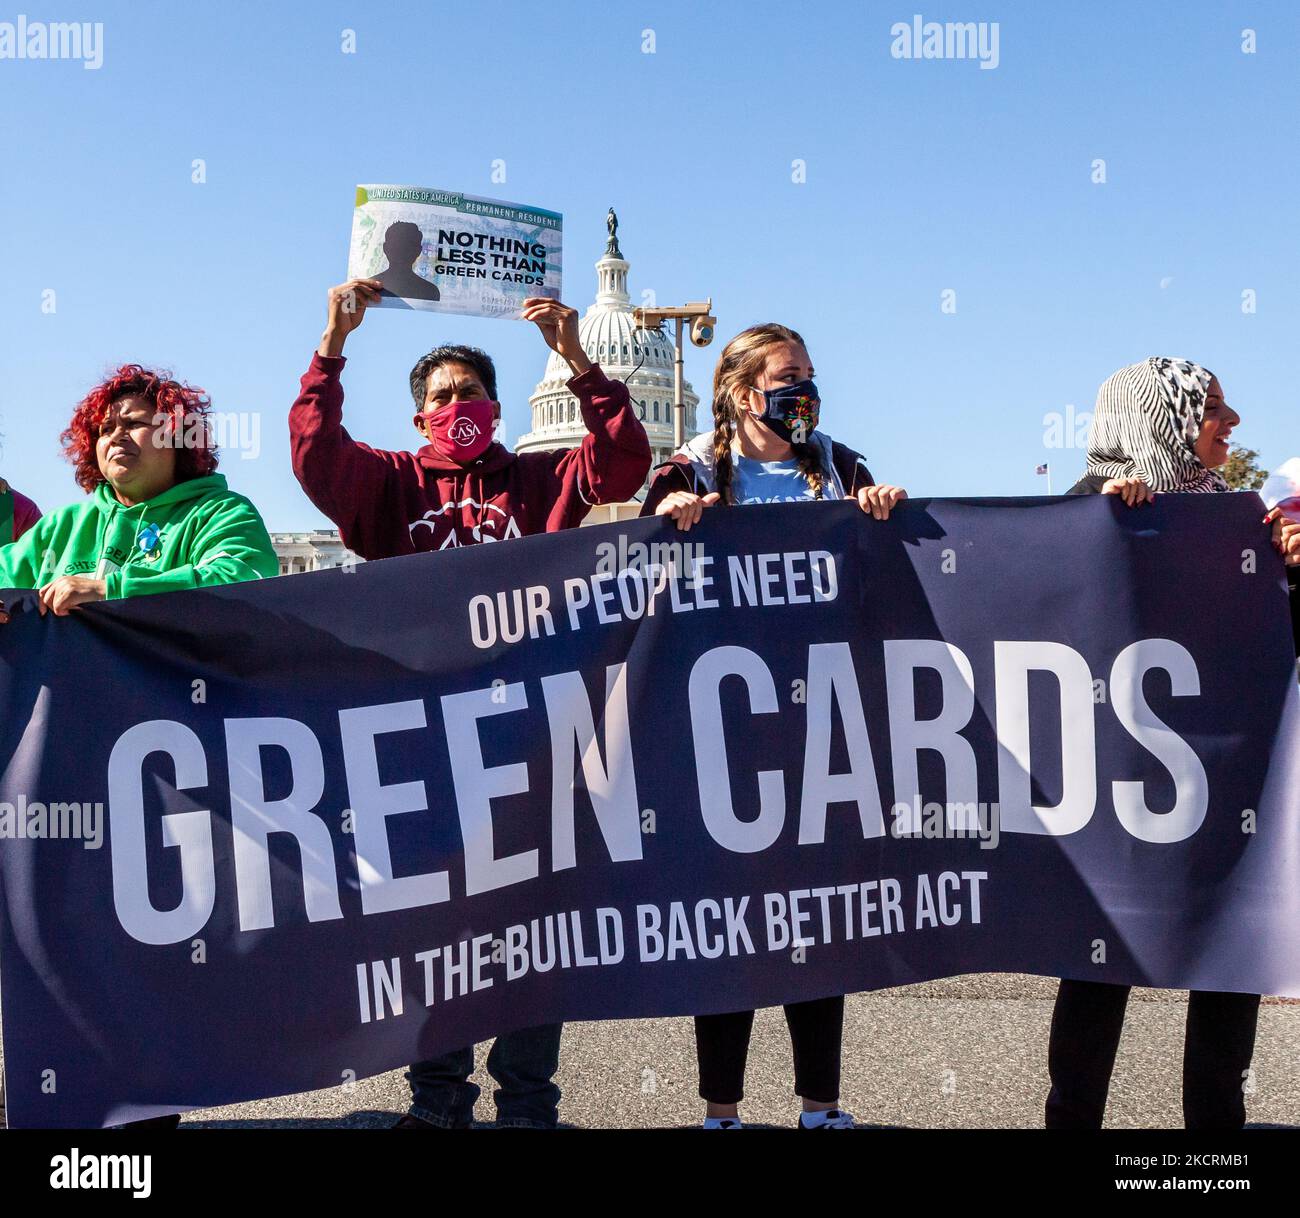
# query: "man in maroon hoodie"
{"points": [[462, 488], [17, 514]]}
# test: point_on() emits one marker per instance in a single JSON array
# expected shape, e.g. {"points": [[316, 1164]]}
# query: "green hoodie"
{"points": [[196, 535]]}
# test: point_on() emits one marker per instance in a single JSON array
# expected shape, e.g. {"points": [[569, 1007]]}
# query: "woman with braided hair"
{"points": [[765, 447]]}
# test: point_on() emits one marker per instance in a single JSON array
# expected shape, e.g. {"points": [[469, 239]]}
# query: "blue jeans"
{"points": [[522, 1063]]}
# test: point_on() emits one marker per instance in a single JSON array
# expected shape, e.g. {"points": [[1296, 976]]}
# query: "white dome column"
{"points": [[611, 290]]}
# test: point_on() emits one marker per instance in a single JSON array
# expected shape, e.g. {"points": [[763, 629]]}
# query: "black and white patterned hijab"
{"points": [[1145, 426]]}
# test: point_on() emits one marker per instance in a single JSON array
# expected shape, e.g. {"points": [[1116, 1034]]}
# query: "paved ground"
{"points": [[966, 1052]]}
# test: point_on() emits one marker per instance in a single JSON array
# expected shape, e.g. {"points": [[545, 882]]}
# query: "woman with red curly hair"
{"points": [[159, 517]]}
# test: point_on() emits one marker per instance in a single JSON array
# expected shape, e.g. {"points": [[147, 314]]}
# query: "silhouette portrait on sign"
{"points": [[402, 246]]}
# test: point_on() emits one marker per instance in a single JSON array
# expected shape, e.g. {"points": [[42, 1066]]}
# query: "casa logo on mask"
{"points": [[463, 431]]}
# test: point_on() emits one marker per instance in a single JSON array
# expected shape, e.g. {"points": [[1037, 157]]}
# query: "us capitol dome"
{"points": [[642, 358]]}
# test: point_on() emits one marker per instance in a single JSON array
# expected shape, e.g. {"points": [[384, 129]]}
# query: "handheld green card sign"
{"points": [[449, 252]]}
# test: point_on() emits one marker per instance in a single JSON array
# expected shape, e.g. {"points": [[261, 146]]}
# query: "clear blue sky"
{"points": [[921, 176]]}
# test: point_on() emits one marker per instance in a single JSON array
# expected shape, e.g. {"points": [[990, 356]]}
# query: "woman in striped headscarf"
{"points": [[1160, 426], [1163, 425]]}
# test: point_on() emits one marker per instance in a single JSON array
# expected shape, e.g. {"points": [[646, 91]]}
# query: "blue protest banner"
{"points": [[263, 838]]}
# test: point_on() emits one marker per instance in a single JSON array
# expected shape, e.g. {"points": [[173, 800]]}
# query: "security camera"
{"points": [[696, 312], [702, 330]]}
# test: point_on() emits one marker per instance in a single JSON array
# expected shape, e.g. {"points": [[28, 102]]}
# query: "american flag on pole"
{"points": [[1042, 469]]}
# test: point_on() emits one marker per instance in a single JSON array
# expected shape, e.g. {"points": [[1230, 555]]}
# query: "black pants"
{"points": [[1086, 1026], [816, 1029]]}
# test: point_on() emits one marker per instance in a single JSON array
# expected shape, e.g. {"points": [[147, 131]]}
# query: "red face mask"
{"points": [[460, 431]]}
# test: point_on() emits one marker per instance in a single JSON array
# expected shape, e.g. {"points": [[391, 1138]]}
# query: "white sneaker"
{"points": [[722, 1123], [832, 1118]]}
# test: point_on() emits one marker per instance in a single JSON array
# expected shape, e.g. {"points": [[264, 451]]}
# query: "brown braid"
{"points": [[739, 365], [724, 432], [809, 457]]}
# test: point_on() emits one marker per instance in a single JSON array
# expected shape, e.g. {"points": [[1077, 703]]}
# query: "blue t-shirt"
{"points": [[770, 481]]}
